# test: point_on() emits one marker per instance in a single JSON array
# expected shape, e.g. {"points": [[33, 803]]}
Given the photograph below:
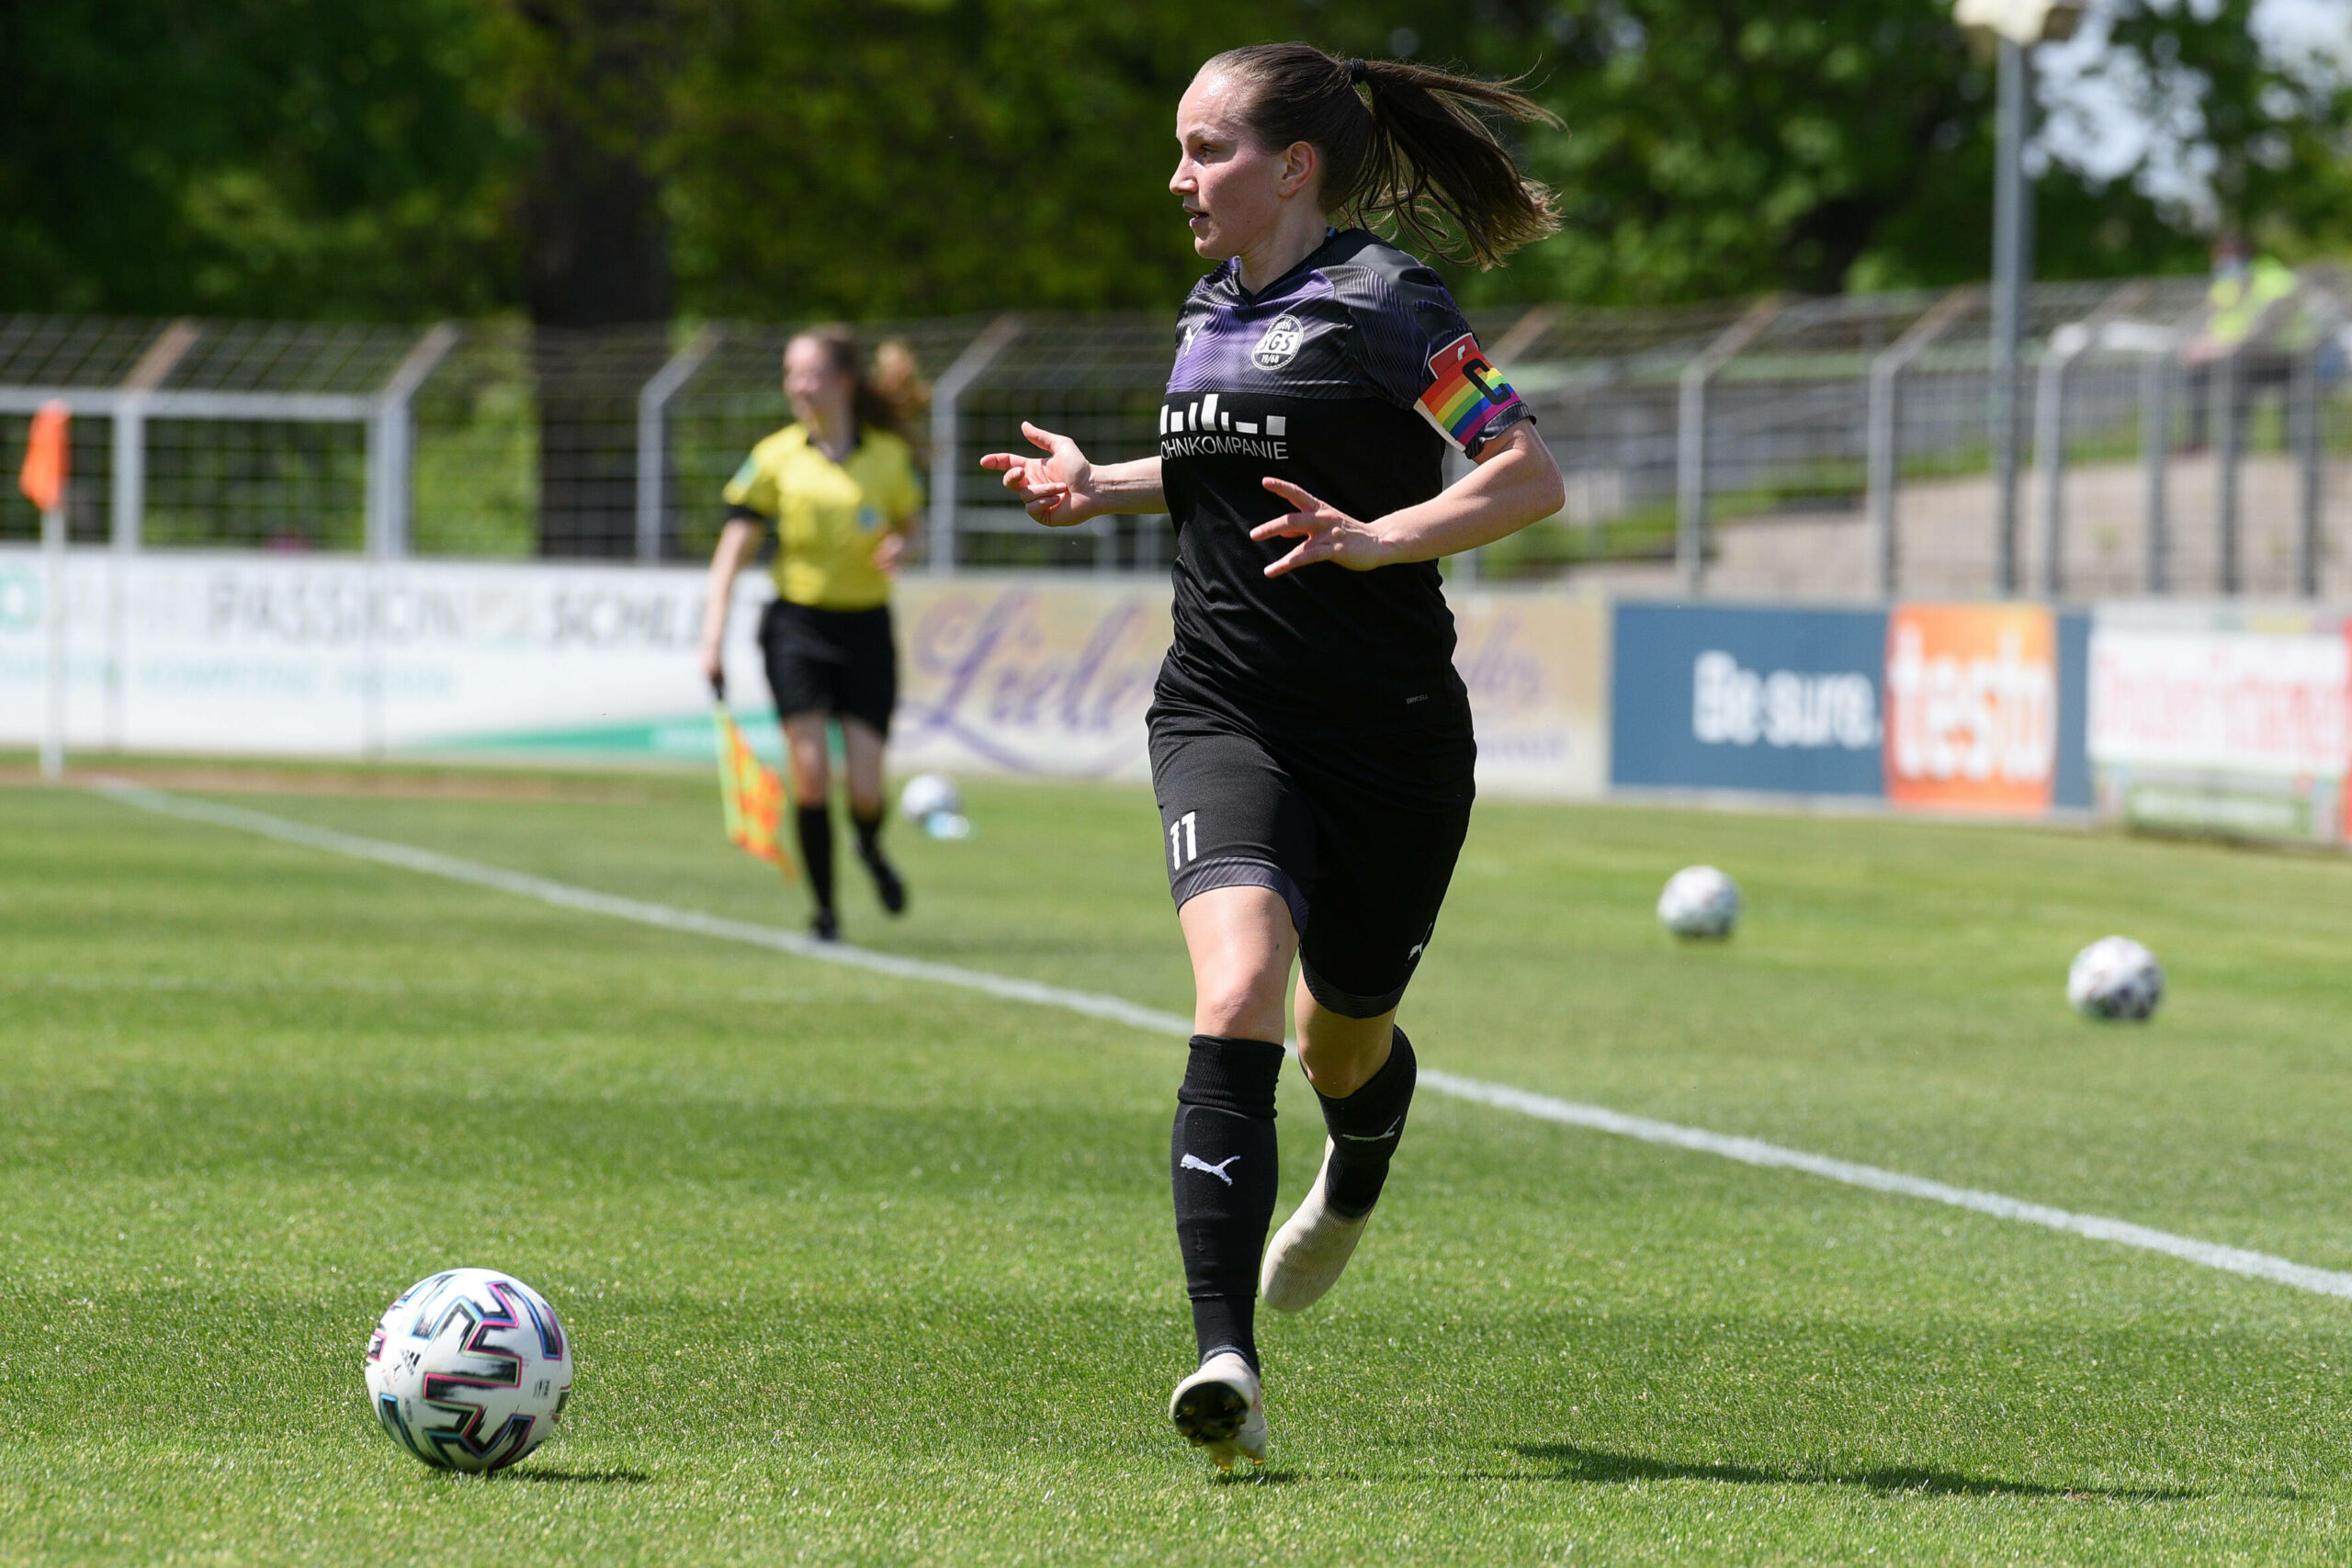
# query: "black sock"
{"points": [[1365, 1129], [1222, 1165], [815, 824], [869, 835]]}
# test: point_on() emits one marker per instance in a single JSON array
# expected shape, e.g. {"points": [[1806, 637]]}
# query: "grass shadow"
{"points": [[582, 1477], [1598, 1466], [1254, 1477]]}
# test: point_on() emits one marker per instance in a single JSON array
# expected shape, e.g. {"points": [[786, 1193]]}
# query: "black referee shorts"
{"points": [[1363, 876], [836, 661]]}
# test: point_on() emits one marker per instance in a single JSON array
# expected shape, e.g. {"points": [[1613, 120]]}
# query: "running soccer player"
{"points": [[838, 485], [1310, 740]]}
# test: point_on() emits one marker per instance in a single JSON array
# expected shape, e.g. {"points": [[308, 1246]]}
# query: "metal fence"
{"points": [[1816, 448]]}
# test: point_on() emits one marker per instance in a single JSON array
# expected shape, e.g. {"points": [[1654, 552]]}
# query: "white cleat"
{"points": [[1311, 1251], [1221, 1411]]}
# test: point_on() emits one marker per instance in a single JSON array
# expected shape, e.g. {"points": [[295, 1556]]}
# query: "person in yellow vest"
{"points": [[2251, 312], [838, 487]]}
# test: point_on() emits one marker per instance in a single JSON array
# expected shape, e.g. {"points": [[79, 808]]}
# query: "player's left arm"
{"points": [[1515, 483]]}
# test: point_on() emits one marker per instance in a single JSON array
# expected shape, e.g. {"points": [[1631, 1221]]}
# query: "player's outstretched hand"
{"points": [[1058, 490], [1325, 534]]}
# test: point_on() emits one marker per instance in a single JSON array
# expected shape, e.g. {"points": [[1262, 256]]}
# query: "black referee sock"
{"points": [[815, 824], [1365, 1129], [1222, 1165], [869, 835]]}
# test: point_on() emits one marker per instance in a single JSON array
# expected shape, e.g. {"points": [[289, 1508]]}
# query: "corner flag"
{"points": [[42, 478]]}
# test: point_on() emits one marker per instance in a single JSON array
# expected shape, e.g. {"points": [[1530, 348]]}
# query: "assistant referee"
{"points": [[838, 487], [1310, 740]]}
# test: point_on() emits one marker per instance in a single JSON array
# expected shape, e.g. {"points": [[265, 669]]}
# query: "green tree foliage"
{"points": [[1715, 148], [895, 157], [889, 157], [255, 157]]}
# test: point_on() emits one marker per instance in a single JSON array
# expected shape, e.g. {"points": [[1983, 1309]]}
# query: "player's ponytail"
{"points": [[885, 395], [1410, 145]]}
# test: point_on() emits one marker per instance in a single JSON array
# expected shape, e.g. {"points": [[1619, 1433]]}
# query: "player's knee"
{"points": [[1243, 1003]]}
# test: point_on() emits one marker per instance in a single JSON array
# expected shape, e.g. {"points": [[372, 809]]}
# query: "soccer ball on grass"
{"points": [[2114, 977], [934, 800], [469, 1369], [1699, 903]]}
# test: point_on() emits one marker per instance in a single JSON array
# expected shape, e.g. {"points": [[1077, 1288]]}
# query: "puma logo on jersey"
{"points": [[1195, 1162]]}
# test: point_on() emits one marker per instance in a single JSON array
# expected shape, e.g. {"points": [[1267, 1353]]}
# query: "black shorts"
{"points": [[1363, 876], [837, 661]]}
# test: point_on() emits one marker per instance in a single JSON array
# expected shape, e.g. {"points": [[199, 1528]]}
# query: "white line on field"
{"points": [[1599, 1119]]}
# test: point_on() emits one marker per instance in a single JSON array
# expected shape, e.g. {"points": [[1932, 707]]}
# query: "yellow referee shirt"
{"points": [[829, 516]]}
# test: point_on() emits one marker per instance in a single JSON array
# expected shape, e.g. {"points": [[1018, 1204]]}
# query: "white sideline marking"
{"points": [[1115, 1010], [564, 895]]}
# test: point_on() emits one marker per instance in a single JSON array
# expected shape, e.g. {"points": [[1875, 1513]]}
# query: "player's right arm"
{"points": [[1062, 488], [738, 542]]}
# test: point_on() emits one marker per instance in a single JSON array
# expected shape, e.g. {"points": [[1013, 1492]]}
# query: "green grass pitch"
{"points": [[860, 1270]]}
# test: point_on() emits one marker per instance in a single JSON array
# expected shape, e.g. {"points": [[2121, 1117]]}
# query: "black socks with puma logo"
{"points": [[1222, 1165], [1365, 1129]]}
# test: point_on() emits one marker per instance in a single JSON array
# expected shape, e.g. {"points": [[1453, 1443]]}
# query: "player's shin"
{"points": [[1223, 1169], [1365, 1129]]}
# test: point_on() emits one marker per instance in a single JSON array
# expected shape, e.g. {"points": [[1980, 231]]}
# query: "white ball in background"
{"points": [[469, 1369], [2114, 977], [930, 795], [1699, 902]]}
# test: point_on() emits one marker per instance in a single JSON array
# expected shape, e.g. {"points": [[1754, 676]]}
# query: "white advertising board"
{"points": [[317, 655], [2228, 719]]}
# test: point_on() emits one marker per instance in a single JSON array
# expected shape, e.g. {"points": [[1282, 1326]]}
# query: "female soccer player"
{"points": [[838, 485], [1310, 741]]}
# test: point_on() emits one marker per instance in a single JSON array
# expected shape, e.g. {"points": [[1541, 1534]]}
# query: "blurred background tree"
{"points": [[349, 158], [592, 161]]}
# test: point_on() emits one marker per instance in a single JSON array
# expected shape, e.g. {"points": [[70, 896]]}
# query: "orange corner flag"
{"points": [[43, 478], [753, 797]]}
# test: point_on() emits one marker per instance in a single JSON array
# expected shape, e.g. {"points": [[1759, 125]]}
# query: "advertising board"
{"points": [[1537, 667], [340, 656], [1780, 701], [2221, 720], [1973, 707]]}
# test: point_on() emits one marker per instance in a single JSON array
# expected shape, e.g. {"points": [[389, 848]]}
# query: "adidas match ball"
{"points": [[469, 1369], [1699, 902], [2114, 977], [928, 795]]}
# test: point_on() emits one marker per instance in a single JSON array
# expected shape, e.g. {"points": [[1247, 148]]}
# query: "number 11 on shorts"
{"points": [[1184, 840]]}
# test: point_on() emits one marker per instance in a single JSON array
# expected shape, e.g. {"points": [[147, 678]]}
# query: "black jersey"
{"points": [[1350, 376]]}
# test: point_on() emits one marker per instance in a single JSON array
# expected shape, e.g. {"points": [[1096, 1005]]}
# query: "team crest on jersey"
{"points": [[1280, 346]]}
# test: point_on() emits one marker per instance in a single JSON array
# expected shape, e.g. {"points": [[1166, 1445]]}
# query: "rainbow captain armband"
{"points": [[1466, 394]]}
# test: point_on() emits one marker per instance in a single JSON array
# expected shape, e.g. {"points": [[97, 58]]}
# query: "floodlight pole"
{"points": [[2012, 260]]}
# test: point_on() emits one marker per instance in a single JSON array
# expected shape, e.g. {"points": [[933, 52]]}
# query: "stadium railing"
{"points": [[1832, 448]]}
